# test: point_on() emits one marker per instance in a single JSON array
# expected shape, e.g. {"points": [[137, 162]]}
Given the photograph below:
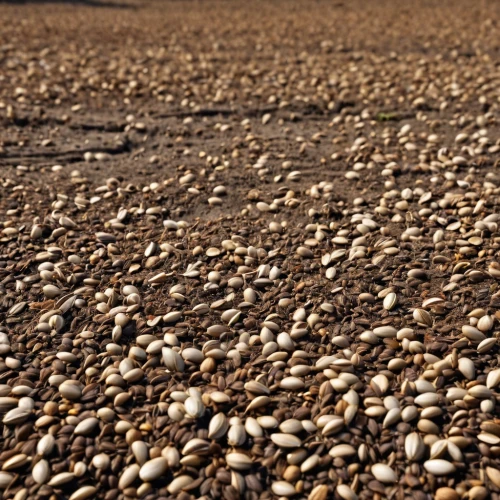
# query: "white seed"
{"points": [[153, 469], [439, 467], [218, 426], [128, 476], [414, 446], [83, 493], [346, 493], [342, 450], [384, 473], [41, 472], [239, 461], [283, 489], [46, 445], [286, 440]]}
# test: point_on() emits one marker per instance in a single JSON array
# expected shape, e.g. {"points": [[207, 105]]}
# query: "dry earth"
{"points": [[249, 250]]}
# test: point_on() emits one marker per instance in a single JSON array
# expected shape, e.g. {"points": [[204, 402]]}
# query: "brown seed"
{"points": [[446, 493]]}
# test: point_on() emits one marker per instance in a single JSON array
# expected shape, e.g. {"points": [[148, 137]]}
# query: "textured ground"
{"points": [[273, 170]]}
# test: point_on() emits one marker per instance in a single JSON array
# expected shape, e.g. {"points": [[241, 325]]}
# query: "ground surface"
{"points": [[266, 144]]}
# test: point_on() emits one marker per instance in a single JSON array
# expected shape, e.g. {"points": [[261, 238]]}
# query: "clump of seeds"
{"points": [[271, 275]]}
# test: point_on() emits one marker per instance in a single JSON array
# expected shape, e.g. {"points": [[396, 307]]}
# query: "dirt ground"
{"points": [[228, 117]]}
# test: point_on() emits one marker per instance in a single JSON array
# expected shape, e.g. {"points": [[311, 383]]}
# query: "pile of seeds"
{"points": [[247, 261]]}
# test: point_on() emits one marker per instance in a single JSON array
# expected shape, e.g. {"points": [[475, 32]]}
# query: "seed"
{"points": [[385, 332], [485, 323], [194, 407], [439, 448], [140, 451], [473, 333], [16, 416], [70, 391], [319, 492], [307, 254], [239, 461], [478, 493], [480, 392], [87, 426], [446, 494], [153, 469], [390, 301], [62, 478], [172, 360], [253, 428], [342, 450], [218, 426], [258, 402], [5, 479], [7, 403], [427, 399], [310, 463], [334, 426], [346, 493], [292, 383], [236, 435], [422, 317], [493, 378], [46, 445], [493, 476], [439, 467], [283, 489], [384, 473], [178, 484], [128, 476], [15, 462], [286, 440], [41, 472], [393, 416], [83, 493]]}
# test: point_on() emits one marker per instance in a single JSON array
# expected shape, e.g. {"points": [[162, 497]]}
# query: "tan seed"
{"points": [[153, 469]]}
